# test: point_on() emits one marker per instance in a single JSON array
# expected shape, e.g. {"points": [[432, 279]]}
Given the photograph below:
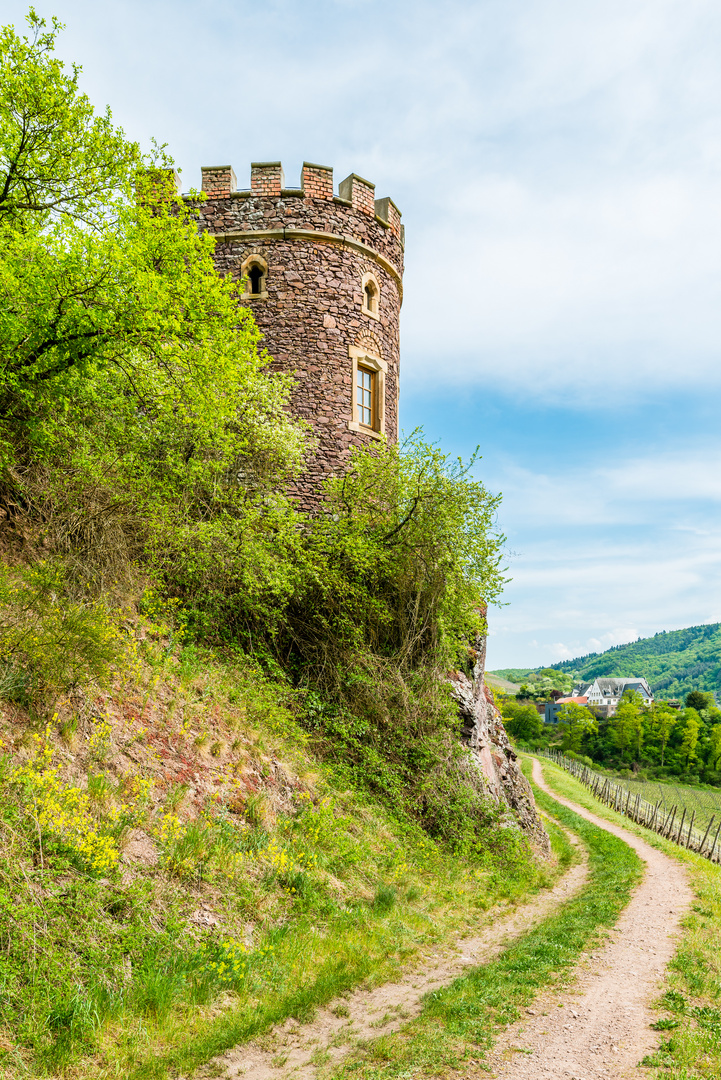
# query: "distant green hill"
{"points": [[673, 662]]}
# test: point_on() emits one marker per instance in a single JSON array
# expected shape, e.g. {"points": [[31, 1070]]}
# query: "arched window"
{"points": [[371, 296], [371, 301], [255, 272]]}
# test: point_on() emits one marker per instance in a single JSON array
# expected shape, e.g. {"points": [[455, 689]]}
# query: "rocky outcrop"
{"points": [[491, 750]]}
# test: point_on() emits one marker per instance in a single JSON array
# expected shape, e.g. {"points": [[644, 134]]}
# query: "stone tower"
{"points": [[324, 280]]}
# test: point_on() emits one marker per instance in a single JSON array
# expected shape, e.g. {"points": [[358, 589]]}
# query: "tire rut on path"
{"points": [[293, 1050], [602, 1030]]}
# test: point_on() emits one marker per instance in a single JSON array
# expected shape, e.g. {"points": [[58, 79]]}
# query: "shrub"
{"points": [[50, 645]]}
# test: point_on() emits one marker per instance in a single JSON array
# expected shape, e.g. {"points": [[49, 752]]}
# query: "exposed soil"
{"points": [[298, 1050], [600, 1029]]}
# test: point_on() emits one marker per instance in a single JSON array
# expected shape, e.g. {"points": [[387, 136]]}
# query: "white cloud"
{"points": [[673, 490], [559, 651], [666, 476], [586, 294]]}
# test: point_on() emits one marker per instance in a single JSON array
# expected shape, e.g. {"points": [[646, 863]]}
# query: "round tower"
{"points": [[324, 279]]}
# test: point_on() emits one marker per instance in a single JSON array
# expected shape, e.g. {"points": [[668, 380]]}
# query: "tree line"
{"points": [[655, 740]]}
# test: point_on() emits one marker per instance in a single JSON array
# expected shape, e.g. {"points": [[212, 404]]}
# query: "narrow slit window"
{"points": [[255, 276], [255, 272], [370, 297], [365, 396]]}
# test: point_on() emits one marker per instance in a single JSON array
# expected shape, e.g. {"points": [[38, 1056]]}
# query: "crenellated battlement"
{"points": [[267, 180]]}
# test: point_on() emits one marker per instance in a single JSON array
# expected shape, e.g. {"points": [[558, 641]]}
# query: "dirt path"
{"points": [[297, 1050], [601, 1030]]}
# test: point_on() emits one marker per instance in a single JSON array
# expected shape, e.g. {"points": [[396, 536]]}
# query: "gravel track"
{"points": [[598, 1030], [297, 1051], [602, 1028]]}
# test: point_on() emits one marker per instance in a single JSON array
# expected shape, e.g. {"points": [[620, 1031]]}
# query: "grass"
{"points": [[459, 1022], [237, 887], [692, 1000]]}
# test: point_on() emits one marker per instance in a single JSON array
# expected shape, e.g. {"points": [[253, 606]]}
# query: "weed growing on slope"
{"points": [[61, 813]]}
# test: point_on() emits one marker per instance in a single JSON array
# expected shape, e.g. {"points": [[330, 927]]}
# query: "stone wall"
{"points": [[317, 247]]}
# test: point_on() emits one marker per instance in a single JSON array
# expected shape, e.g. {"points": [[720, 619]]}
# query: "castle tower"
{"points": [[324, 280]]}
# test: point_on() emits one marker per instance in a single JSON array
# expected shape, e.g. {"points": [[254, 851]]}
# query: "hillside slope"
{"points": [[180, 867], [674, 662]]}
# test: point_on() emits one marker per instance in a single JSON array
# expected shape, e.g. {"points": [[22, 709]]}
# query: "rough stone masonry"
{"points": [[315, 250]]}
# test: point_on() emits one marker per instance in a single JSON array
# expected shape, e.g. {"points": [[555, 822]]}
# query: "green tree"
{"points": [[663, 721], [57, 157], [698, 700], [575, 721], [691, 729], [714, 752], [136, 411], [522, 721], [626, 725]]}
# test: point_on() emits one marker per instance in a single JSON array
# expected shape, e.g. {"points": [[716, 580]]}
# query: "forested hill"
{"points": [[673, 662]]}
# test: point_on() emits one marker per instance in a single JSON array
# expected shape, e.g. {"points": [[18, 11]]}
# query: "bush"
{"points": [[393, 573], [398, 562], [48, 644]]}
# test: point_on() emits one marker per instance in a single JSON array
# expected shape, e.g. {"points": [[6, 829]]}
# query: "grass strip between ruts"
{"points": [[460, 1021]]}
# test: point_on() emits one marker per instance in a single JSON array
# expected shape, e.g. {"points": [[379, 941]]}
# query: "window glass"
{"points": [[365, 388]]}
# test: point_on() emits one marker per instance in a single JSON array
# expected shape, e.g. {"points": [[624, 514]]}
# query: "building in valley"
{"points": [[605, 694]]}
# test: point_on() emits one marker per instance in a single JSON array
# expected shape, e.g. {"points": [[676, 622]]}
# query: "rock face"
{"points": [[484, 733]]}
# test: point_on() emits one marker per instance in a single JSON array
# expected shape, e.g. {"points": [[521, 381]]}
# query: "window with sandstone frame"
{"points": [[371, 296], [368, 392], [366, 395]]}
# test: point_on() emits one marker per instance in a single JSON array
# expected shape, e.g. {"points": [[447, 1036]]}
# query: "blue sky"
{"points": [[558, 166]]}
